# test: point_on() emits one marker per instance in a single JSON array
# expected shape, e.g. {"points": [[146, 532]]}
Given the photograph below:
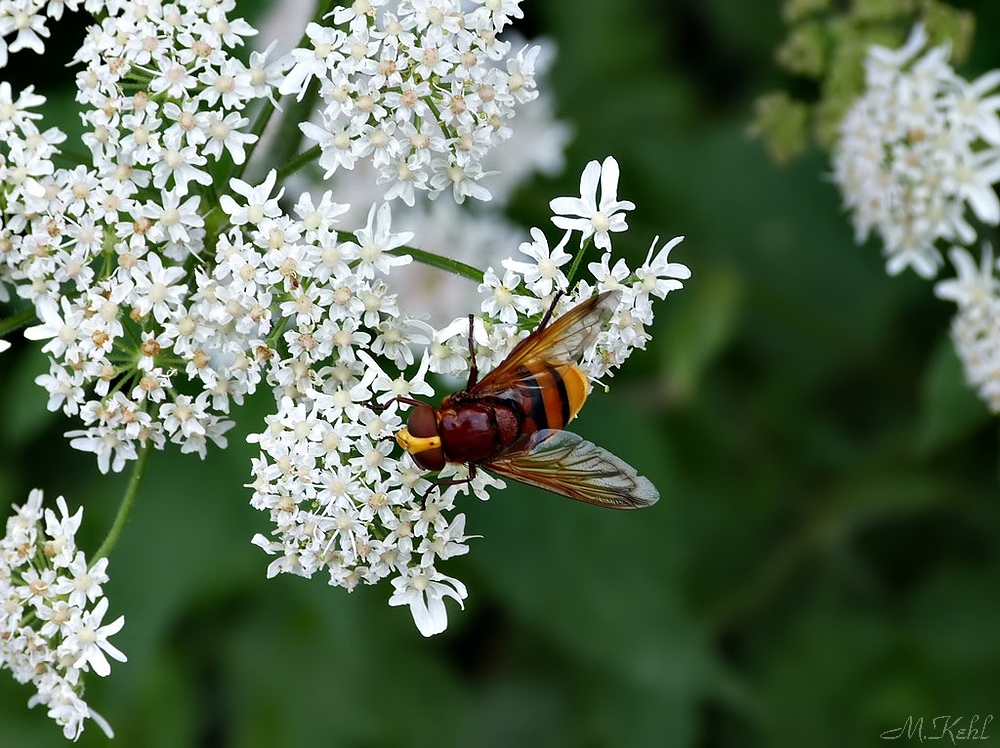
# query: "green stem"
{"points": [[289, 136], [263, 117], [576, 264], [299, 161], [443, 263], [17, 321], [323, 8], [131, 490]]}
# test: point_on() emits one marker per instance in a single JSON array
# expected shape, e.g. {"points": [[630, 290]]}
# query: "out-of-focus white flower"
{"points": [[975, 329], [974, 284], [917, 152]]}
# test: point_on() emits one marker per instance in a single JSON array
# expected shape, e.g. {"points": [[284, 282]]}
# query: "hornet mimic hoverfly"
{"points": [[511, 423]]}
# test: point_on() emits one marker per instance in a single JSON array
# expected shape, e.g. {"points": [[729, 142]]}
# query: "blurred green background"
{"points": [[824, 561]]}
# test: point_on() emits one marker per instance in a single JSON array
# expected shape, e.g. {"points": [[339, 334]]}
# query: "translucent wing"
{"points": [[567, 464], [562, 342]]}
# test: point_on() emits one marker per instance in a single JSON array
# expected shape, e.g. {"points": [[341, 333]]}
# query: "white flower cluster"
{"points": [[112, 254], [26, 21], [51, 612], [339, 501], [919, 148], [975, 330], [343, 499], [476, 232], [167, 288], [417, 87]]}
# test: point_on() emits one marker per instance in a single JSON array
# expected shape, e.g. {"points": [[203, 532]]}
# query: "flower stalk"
{"points": [[125, 506]]}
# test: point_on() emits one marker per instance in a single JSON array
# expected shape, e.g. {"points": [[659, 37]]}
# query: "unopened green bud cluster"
{"points": [[827, 44]]}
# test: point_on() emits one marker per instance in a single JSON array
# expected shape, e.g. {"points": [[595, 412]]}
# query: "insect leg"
{"points": [[375, 407], [473, 369], [439, 484], [548, 314]]}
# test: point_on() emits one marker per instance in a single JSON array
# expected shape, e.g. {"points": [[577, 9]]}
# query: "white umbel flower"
{"points": [[918, 153], [344, 501], [975, 329], [588, 215], [51, 612], [418, 88]]}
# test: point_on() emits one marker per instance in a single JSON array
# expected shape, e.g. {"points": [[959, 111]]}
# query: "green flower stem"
{"points": [[17, 321], [323, 8], [288, 139], [131, 490], [263, 117], [443, 263], [299, 161], [576, 264]]}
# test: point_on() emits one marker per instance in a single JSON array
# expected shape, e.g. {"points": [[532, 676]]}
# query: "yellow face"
{"points": [[417, 444], [421, 439]]}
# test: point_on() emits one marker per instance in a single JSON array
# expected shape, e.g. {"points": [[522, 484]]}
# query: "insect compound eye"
{"points": [[422, 422], [431, 459]]}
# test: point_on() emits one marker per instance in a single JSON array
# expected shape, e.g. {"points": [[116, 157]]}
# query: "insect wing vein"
{"points": [[562, 342], [567, 464]]}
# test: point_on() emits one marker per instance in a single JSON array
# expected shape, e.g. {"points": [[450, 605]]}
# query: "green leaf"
{"points": [[701, 320]]}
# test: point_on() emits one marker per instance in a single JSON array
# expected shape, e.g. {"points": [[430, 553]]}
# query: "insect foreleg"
{"points": [[377, 408], [473, 369], [548, 314], [439, 484]]}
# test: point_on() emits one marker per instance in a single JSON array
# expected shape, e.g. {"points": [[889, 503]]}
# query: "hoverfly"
{"points": [[511, 423]]}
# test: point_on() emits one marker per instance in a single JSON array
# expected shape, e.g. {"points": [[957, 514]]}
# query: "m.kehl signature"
{"points": [[945, 726]]}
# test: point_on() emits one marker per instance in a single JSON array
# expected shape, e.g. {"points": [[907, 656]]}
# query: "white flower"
{"points": [[974, 285], [62, 330], [426, 62], [106, 442], [53, 642], [259, 202], [658, 275], [87, 640], [975, 329], [30, 28], [156, 287], [15, 114], [81, 584], [588, 215], [375, 242], [543, 275], [884, 63], [916, 152], [424, 590], [503, 302]]}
